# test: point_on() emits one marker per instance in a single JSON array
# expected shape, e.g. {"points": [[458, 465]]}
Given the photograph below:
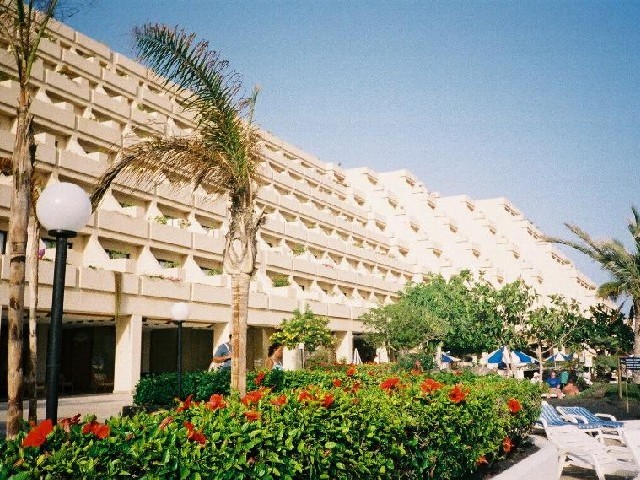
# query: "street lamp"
{"points": [[62, 209], [179, 313]]}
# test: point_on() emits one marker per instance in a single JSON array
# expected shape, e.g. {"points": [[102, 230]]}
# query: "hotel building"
{"points": [[338, 240]]}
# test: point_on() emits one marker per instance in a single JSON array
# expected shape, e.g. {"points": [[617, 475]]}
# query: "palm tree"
{"points": [[622, 265], [221, 156], [22, 26]]}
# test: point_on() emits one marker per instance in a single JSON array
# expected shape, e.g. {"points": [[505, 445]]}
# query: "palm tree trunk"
{"points": [[32, 363], [636, 326], [18, 225], [240, 310]]}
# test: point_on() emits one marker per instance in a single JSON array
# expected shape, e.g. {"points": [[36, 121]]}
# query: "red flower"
{"points": [[98, 429], [356, 387], [38, 435], [305, 396], [351, 371], [165, 422], [215, 402], [251, 397], [66, 423], [430, 385], [514, 405], [195, 435], [482, 460], [259, 378], [186, 405], [458, 394], [327, 401], [337, 383], [279, 401], [252, 415], [507, 445], [390, 384]]}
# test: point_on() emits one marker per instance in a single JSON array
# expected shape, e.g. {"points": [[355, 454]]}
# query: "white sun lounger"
{"points": [[582, 450]]}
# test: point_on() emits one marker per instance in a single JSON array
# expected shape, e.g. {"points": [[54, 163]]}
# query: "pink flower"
{"points": [[252, 415], [327, 401], [38, 435], [251, 397], [458, 394], [390, 384], [514, 405], [98, 429], [216, 402]]}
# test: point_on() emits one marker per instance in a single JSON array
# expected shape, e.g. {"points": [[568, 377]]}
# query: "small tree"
{"points": [[412, 322], [604, 329], [304, 327], [556, 325]]}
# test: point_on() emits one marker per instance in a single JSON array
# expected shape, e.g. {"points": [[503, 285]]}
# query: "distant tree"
{"points": [[414, 321], [622, 265], [304, 327], [558, 324], [604, 329]]}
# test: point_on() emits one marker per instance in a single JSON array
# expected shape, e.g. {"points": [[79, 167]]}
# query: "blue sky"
{"points": [[535, 101]]}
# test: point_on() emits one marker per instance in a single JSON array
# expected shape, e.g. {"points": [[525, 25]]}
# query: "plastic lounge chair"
{"points": [[549, 417], [586, 417], [576, 448]]}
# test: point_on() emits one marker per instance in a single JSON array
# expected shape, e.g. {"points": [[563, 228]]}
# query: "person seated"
{"points": [[274, 357], [554, 385], [570, 389]]}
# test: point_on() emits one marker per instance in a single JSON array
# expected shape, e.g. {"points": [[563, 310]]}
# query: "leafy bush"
{"points": [[304, 327], [391, 427], [408, 360]]}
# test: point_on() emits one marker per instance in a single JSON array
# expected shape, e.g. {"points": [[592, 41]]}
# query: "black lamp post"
{"points": [[63, 209], [179, 313]]}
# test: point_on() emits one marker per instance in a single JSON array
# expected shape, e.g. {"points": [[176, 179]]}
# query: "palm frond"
{"points": [[182, 161], [624, 266], [213, 90], [609, 290]]}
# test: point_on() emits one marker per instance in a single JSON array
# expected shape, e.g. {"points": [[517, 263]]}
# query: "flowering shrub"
{"points": [[413, 429]]}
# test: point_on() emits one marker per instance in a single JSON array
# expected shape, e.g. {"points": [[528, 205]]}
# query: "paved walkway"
{"points": [[102, 406], [541, 465]]}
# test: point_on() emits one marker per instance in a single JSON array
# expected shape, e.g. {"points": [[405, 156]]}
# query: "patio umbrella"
{"points": [[523, 357], [356, 357], [558, 357], [446, 358], [499, 356]]}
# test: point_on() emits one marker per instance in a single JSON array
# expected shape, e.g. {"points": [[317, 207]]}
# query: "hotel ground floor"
{"points": [[103, 354]]}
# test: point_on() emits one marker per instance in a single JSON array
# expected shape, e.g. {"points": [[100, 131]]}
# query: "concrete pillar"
{"points": [[292, 358], [146, 351], [221, 333], [344, 349], [128, 353]]}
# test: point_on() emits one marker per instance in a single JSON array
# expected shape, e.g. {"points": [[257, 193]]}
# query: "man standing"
{"points": [[223, 354]]}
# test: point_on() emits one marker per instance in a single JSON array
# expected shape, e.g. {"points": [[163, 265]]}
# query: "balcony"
{"points": [[81, 163], [121, 223], [169, 235], [157, 286], [208, 243]]}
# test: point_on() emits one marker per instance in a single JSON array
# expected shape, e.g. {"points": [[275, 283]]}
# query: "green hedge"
{"points": [[353, 428]]}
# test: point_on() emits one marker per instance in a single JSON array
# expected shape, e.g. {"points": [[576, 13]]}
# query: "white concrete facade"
{"points": [[340, 241]]}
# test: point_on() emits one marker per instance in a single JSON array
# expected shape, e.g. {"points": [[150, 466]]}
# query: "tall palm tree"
{"points": [[221, 156], [22, 26], [622, 265]]}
